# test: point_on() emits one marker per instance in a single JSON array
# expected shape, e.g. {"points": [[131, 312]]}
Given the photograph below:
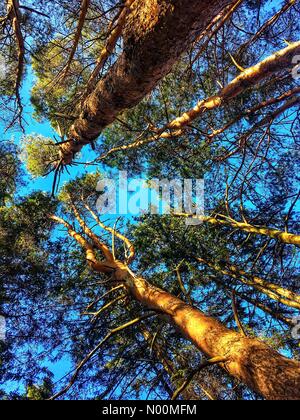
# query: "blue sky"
{"points": [[59, 369], [45, 184], [42, 128]]}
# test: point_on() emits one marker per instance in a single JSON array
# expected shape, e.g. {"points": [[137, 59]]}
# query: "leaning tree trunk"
{"points": [[251, 361], [156, 34]]}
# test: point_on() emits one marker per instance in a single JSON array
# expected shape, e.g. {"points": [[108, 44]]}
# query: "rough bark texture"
{"points": [[249, 360], [156, 34]]}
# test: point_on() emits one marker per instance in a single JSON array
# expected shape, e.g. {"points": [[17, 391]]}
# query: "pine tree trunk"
{"points": [[156, 34], [249, 360]]}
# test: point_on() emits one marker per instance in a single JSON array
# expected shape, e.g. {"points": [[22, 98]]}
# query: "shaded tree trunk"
{"points": [[156, 34]]}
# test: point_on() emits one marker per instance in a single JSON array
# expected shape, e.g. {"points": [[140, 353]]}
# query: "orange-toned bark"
{"points": [[83, 12], [102, 267], [110, 46], [99, 244], [115, 233], [249, 360], [281, 60], [211, 32]]}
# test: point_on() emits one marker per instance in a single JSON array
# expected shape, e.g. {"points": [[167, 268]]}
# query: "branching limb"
{"points": [[266, 121], [222, 220], [275, 63], [249, 112], [114, 289], [273, 291], [30, 9], [101, 267], [271, 22], [96, 349], [115, 34], [99, 244], [14, 12], [225, 17], [255, 303], [211, 362], [180, 282], [236, 315], [83, 12], [105, 307]]}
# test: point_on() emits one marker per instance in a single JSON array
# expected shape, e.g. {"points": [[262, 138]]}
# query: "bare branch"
{"points": [[96, 349], [115, 34]]}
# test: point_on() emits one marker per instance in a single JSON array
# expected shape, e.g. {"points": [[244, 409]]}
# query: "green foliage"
{"points": [[43, 392], [45, 283], [39, 154], [81, 188], [54, 99], [24, 227], [10, 172]]}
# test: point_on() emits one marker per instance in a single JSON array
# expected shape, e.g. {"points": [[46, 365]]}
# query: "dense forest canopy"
{"points": [[174, 306]]}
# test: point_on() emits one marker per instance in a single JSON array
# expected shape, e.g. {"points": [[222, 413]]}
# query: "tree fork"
{"points": [[221, 220]]}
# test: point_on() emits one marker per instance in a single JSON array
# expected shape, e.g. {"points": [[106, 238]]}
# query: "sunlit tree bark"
{"points": [[249, 360], [221, 220], [273, 291]]}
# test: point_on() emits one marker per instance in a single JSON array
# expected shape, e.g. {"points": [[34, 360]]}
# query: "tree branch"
{"points": [[96, 349], [211, 362]]}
